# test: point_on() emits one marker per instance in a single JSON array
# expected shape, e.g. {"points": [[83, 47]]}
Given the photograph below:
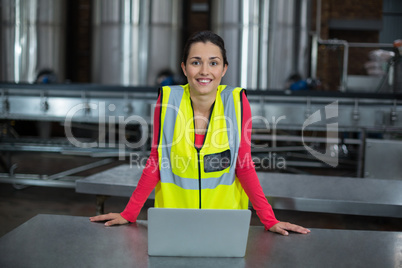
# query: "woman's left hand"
{"points": [[283, 228]]}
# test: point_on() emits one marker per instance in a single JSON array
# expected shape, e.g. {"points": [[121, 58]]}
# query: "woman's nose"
{"points": [[204, 69]]}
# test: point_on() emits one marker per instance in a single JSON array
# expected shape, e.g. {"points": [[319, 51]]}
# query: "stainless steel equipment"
{"points": [[32, 39], [291, 109], [278, 118], [383, 159], [134, 40], [267, 41]]}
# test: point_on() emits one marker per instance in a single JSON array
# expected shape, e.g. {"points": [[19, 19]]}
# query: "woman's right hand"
{"points": [[111, 219]]}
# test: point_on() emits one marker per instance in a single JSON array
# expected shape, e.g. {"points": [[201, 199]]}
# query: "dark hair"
{"points": [[204, 37]]}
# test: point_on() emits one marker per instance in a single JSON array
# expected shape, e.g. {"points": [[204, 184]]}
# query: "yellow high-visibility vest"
{"points": [[199, 177]]}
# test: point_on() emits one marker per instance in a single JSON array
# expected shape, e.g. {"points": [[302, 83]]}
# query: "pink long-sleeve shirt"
{"points": [[245, 171]]}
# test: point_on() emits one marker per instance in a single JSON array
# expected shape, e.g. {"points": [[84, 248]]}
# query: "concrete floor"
{"points": [[19, 205]]}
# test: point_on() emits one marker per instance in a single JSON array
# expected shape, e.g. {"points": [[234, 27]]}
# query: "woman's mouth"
{"points": [[204, 81]]}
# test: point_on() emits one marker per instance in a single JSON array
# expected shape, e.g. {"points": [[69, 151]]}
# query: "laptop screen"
{"points": [[198, 232]]}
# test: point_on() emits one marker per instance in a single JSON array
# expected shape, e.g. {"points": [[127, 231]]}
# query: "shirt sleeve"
{"points": [[247, 175], [150, 175]]}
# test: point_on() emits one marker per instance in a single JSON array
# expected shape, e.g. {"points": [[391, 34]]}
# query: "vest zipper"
{"points": [[199, 149], [199, 173]]}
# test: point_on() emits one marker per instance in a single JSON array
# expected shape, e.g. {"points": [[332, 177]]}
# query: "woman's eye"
{"points": [[214, 63], [195, 63]]}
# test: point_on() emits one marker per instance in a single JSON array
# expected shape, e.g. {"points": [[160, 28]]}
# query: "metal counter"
{"points": [[117, 181], [328, 194], [68, 241]]}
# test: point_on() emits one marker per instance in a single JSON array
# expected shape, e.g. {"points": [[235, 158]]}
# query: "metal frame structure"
{"points": [[278, 118], [317, 40]]}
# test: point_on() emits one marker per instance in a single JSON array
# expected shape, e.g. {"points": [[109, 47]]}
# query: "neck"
{"points": [[202, 104]]}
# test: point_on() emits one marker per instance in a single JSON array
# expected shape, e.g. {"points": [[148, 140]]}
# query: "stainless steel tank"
{"points": [[266, 40], [133, 40], [32, 39]]}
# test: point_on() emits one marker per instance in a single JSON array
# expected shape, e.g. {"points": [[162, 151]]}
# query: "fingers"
{"points": [[104, 217], [115, 222], [296, 228], [111, 219], [281, 231], [283, 228]]}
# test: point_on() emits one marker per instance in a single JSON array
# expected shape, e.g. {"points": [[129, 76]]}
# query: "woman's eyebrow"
{"points": [[210, 58]]}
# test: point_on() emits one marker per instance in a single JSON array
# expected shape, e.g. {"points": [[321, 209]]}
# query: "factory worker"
{"points": [[201, 152]]}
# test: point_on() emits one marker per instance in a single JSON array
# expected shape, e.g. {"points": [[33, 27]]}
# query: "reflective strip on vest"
{"points": [[172, 112]]}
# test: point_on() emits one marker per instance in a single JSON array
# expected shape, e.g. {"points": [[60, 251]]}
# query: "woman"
{"points": [[201, 157]]}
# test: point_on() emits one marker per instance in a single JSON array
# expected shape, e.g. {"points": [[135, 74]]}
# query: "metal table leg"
{"points": [[100, 204]]}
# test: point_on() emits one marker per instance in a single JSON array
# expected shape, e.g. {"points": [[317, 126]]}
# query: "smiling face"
{"points": [[204, 68]]}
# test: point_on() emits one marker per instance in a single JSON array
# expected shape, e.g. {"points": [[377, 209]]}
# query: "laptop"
{"points": [[198, 232]]}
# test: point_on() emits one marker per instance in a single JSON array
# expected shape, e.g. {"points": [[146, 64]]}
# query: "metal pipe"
{"points": [[343, 82], [345, 44], [244, 40], [264, 137], [79, 169], [38, 182], [374, 45], [361, 152], [318, 19], [17, 45], [278, 149], [314, 54]]}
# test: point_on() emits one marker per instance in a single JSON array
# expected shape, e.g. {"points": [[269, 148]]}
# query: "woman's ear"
{"points": [[183, 67], [224, 70]]}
